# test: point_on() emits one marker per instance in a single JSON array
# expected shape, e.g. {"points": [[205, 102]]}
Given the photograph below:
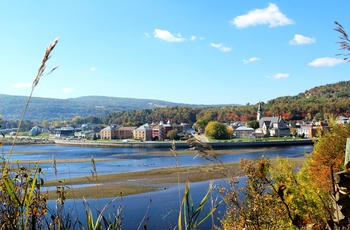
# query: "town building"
{"points": [[125, 132], [155, 132], [158, 131], [35, 131], [84, 134], [164, 129], [244, 132], [309, 130], [342, 120], [110, 132], [271, 126], [63, 132], [144, 133], [117, 132]]}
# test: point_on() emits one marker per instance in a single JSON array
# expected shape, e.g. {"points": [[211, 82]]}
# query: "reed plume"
{"points": [[41, 72]]}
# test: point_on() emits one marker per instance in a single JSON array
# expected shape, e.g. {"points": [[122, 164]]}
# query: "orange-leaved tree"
{"points": [[329, 151]]}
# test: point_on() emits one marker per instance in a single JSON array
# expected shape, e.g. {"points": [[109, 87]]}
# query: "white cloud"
{"points": [[279, 76], [221, 47], [22, 85], [147, 34], [193, 38], [326, 61], [252, 59], [167, 36], [301, 40], [93, 68], [270, 15], [67, 90]]}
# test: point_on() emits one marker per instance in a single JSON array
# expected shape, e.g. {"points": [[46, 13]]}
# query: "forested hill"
{"points": [[319, 101], [316, 103], [11, 107], [337, 90]]}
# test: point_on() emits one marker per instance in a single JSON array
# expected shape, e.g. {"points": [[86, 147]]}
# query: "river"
{"points": [[131, 159], [164, 208]]}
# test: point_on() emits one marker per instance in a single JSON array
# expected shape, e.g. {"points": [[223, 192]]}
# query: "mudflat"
{"points": [[116, 184]]}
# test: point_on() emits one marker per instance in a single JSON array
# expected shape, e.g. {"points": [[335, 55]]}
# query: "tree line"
{"points": [[319, 103]]}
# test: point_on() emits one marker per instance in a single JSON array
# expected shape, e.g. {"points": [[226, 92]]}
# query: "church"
{"points": [[271, 126]]}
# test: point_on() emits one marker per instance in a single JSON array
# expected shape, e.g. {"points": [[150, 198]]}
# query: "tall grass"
{"points": [[24, 206], [41, 72], [191, 217]]}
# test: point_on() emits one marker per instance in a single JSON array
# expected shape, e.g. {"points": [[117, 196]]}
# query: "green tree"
{"points": [[173, 134], [202, 123], [78, 120], [318, 116], [253, 124], [216, 130], [45, 123]]}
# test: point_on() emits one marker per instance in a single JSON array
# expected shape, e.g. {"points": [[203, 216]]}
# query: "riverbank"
{"points": [[33, 142], [165, 144], [130, 183], [184, 144]]}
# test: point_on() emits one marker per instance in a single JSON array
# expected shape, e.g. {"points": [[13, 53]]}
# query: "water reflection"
{"points": [[163, 206]]}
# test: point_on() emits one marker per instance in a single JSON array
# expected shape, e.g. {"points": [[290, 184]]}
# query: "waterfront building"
{"points": [[109, 132], [64, 132], [143, 133], [117, 132]]}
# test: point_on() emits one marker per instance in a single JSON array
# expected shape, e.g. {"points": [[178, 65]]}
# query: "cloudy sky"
{"points": [[198, 52]]}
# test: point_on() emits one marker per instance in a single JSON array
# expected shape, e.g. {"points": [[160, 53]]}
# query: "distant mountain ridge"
{"points": [[60, 109]]}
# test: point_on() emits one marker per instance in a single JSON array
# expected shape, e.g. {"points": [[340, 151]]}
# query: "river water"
{"points": [[164, 208]]}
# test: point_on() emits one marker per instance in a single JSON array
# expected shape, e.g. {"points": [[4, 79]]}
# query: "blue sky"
{"points": [[197, 52]]}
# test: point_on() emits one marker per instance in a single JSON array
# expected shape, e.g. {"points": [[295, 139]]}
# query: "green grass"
{"points": [[23, 133], [255, 139], [43, 135]]}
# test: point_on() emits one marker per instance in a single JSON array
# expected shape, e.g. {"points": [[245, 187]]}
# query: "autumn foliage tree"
{"points": [[329, 151], [274, 196]]}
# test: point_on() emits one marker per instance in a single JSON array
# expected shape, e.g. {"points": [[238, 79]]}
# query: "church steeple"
{"points": [[259, 112]]}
